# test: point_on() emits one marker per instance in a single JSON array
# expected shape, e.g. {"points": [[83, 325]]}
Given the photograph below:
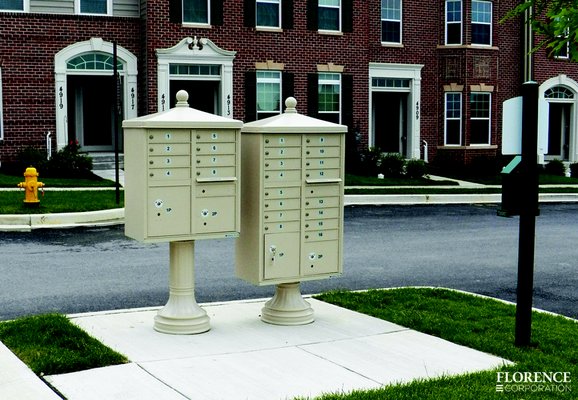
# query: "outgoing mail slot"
{"points": [[169, 149]]}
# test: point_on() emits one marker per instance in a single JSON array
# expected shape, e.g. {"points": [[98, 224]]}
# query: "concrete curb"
{"points": [[26, 223]]}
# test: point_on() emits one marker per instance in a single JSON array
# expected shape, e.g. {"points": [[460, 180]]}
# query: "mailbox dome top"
{"points": [[292, 122], [182, 116]]}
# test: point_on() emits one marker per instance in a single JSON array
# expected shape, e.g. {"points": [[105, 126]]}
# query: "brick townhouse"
{"points": [[426, 80]]}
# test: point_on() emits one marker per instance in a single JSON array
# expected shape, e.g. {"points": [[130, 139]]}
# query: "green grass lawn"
{"points": [[60, 202], [356, 180], [11, 181], [50, 344], [483, 324]]}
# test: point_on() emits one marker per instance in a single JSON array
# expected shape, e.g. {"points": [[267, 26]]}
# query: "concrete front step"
{"points": [[105, 161]]}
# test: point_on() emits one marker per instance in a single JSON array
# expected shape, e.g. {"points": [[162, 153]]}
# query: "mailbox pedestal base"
{"points": [[287, 307], [182, 315]]}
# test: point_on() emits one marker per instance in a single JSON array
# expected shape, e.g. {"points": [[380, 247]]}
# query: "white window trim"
{"points": [[491, 24], [192, 24], [1, 108], [340, 18], [400, 20], [489, 119], [25, 8], [269, 80], [77, 8], [446, 119], [278, 2], [332, 82], [455, 23]]}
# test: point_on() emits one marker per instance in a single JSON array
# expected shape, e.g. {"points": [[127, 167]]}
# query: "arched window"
{"points": [[558, 92], [94, 62]]}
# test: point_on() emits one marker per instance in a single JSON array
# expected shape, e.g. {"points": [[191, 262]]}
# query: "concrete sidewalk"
{"points": [[242, 357]]}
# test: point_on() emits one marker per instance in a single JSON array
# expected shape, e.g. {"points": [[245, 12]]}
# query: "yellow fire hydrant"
{"points": [[31, 186]]}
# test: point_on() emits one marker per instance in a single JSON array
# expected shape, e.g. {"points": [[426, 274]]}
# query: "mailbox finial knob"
{"points": [[290, 104], [182, 98]]}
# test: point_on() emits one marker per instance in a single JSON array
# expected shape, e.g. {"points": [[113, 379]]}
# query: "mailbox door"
{"points": [[168, 211], [281, 255]]}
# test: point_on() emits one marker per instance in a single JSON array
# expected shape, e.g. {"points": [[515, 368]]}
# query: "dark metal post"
{"points": [[528, 213], [115, 121]]}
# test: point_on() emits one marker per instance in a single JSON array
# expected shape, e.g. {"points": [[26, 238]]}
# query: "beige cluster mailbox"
{"points": [[292, 205], [182, 170], [182, 175]]}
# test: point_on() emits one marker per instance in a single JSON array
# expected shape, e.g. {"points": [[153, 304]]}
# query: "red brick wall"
{"points": [[28, 43]]}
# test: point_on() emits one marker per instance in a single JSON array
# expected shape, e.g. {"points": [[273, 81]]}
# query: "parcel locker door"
{"points": [[281, 255]]}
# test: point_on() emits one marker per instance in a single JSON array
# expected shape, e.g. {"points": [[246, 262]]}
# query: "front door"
{"points": [[389, 122], [90, 112], [203, 95], [559, 131]]}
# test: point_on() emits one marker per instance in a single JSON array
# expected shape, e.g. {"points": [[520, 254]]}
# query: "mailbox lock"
{"points": [[151, 174], [198, 149], [266, 140], [198, 136], [151, 137], [308, 140], [151, 162], [151, 149]]}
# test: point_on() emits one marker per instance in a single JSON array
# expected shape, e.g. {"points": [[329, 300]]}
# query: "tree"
{"points": [[555, 20]]}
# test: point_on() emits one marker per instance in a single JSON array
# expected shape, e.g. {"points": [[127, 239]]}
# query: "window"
{"points": [[564, 51], [196, 11], [268, 93], [269, 13], [329, 15], [94, 6], [480, 118], [391, 21], [482, 22], [12, 5], [453, 22], [453, 115], [329, 97]]}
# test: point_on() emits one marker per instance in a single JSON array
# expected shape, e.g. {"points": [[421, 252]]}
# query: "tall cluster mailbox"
{"points": [[182, 183], [292, 208]]}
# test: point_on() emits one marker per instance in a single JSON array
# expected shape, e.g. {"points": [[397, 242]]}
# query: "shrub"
{"points": [[415, 168], [69, 163], [555, 167], [369, 161], [392, 165], [30, 156], [574, 170]]}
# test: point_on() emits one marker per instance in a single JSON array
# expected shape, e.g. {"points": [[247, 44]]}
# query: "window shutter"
{"points": [[249, 11], [313, 95], [250, 96], [287, 87], [287, 14], [217, 12], [347, 101], [312, 11], [347, 15], [176, 11]]}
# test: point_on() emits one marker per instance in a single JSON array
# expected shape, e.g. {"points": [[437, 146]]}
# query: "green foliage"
{"points": [[479, 323], [68, 162], [555, 20], [369, 161], [51, 344], [574, 170], [392, 165], [415, 168], [30, 156], [555, 167]]}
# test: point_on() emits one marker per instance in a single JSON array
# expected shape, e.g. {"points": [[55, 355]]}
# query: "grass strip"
{"points": [[355, 180], [50, 344], [60, 202], [434, 190], [479, 323], [11, 181]]}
